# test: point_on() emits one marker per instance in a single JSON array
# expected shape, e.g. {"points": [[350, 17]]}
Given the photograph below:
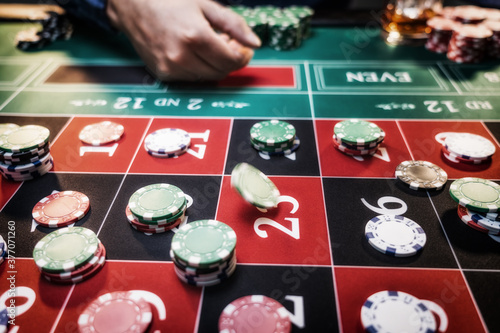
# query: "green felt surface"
{"points": [[340, 73]]}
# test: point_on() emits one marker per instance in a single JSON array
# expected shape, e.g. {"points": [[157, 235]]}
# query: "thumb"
{"points": [[227, 21]]}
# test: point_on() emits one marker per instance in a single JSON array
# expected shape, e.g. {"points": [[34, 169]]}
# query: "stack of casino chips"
{"points": [[61, 209], [280, 28], [440, 34], [3, 250], [356, 137], [118, 311], [274, 137], [479, 204], [494, 45], [156, 208], [54, 27], [204, 253], [469, 43], [421, 175], [24, 152], [467, 148], [69, 255], [167, 142], [255, 313], [467, 34]]}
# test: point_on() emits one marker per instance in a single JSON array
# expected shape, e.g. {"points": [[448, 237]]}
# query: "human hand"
{"points": [[177, 41]]}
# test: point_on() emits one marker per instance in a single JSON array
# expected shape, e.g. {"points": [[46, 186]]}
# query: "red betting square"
{"points": [[209, 141], [446, 288], [169, 298], [423, 136], [334, 163], [7, 190], [261, 77], [293, 233], [71, 154], [37, 301]]}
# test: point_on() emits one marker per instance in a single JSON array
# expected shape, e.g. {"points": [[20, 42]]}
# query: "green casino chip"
{"points": [[7, 127], [357, 132], [204, 243], [254, 186], [157, 202], [24, 138], [65, 249], [477, 194], [273, 133]]}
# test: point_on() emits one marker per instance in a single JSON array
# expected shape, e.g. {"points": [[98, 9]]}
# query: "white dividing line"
{"points": [[26, 83]]}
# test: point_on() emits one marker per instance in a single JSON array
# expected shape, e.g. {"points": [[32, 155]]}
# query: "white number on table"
{"points": [[383, 210]]}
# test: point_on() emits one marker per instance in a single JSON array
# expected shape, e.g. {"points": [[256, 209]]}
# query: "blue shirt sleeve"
{"points": [[88, 10]]}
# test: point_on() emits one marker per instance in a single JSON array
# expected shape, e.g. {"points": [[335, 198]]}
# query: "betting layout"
{"points": [[315, 233], [162, 207]]}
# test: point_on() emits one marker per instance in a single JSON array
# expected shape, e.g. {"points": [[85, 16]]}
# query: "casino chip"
{"points": [[274, 138], [440, 35], [24, 152], [469, 146], [101, 133], [281, 29], [254, 186], [69, 255], [357, 137], [477, 194], [468, 217], [254, 313], [204, 253], [167, 142], [116, 312], [157, 203], [61, 209], [396, 311], [421, 175], [395, 235], [4, 319]]}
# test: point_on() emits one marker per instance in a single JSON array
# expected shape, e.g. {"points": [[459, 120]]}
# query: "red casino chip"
{"points": [[255, 313], [469, 43], [466, 218], [440, 35], [121, 311], [82, 277], [61, 209]]}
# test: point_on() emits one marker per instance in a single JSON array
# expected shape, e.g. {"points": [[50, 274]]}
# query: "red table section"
{"points": [[421, 138], [209, 141], [446, 288], [72, 155], [334, 163], [261, 77], [293, 233]]}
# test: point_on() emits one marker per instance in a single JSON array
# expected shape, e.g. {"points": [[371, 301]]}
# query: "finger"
{"points": [[231, 23]]}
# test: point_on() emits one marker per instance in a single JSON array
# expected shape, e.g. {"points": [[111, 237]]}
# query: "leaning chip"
{"points": [[254, 186], [421, 175]]}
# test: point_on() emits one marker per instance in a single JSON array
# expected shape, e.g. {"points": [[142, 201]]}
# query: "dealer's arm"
{"points": [[176, 39]]}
